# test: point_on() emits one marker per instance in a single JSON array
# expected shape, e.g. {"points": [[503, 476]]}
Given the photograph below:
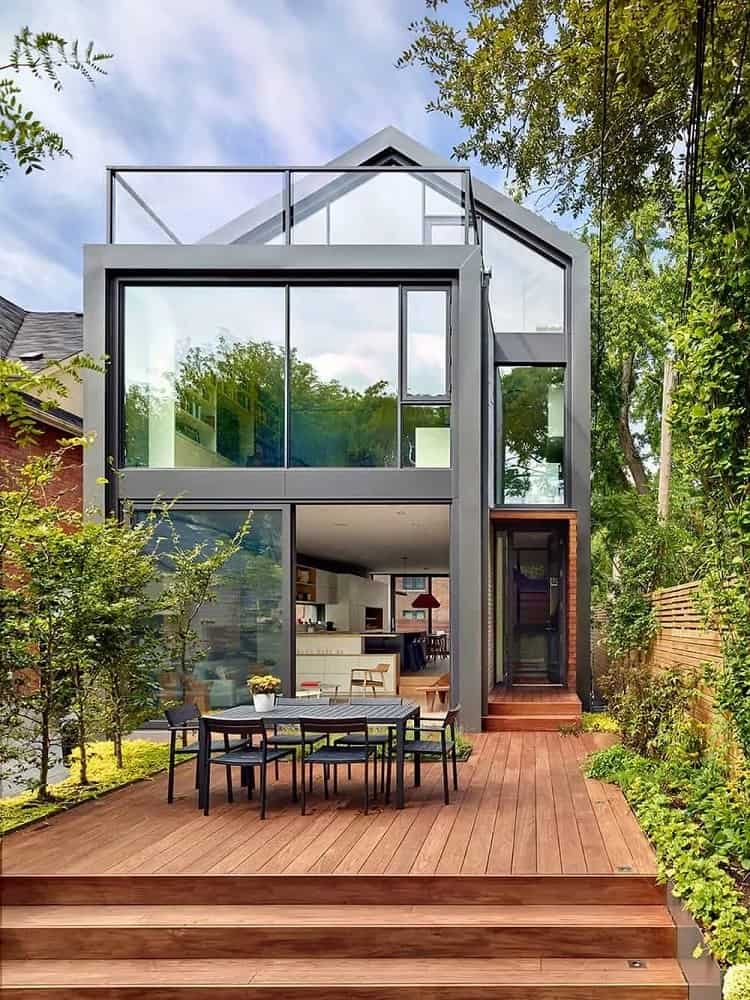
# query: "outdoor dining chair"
{"points": [[333, 754], [183, 721], [382, 740], [292, 737], [247, 757], [443, 747]]}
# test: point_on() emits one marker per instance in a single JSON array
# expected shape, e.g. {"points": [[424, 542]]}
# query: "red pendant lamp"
{"points": [[425, 601]]}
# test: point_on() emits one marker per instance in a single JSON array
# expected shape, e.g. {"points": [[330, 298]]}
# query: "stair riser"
{"points": [[523, 708], [530, 724], [332, 890], [582, 991], [370, 942]]}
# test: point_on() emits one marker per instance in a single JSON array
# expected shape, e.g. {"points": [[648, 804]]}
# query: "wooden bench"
{"points": [[439, 689]]}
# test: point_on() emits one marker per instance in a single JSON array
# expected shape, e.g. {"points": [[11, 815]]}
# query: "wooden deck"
{"points": [[523, 808]]}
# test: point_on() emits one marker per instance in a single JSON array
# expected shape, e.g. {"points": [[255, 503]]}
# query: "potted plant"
{"points": [[264, 688]]}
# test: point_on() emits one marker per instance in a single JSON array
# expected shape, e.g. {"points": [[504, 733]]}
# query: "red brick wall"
{"points": [[67, 490]]}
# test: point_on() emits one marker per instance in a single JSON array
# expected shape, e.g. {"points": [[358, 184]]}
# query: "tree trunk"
{"points": [[78, 680], [665, 462], [42, 792], [633, 460]]}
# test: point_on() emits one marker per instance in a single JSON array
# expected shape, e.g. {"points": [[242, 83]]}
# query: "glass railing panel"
{"points": [[186, 206]]}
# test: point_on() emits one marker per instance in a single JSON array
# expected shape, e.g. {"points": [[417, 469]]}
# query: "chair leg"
{"points": [[304, 787], [349, 771], [197, 771], [335, 779], [367, 784], [455, 768], [276, 769], [263, 786], [294, 777], [388, 776], [326, 772], [375, 774], [246, 781], [445, 777], [230, 792], [311, 778]]}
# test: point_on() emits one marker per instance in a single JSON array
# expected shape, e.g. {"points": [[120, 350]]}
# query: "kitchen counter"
{"points": [[329, 657]]}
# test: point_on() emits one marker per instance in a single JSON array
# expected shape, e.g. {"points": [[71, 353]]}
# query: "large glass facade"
{"points": [[204, 376], [531, 449], [344, 345], [527, 290], [239, 631]]}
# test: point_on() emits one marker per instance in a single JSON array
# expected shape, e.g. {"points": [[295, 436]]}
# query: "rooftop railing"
{"points": [[376, 205]]}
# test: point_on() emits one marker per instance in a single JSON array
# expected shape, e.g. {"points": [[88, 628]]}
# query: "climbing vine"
{"points": [[711, 403]]}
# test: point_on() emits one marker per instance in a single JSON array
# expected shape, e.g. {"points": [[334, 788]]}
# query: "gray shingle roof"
{"points": [[56, 335]]}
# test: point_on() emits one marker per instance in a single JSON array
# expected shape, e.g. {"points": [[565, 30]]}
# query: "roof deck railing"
{"points": [[380, 204]]}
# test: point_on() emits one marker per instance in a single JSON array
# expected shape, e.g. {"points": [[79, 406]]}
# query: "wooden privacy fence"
{"points": [[682, 639]]}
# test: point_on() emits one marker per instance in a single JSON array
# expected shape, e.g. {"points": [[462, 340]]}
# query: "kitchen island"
{"points": [[329, 658]]}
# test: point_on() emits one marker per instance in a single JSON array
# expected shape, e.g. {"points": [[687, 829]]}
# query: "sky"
{"points": [[197, 82]]}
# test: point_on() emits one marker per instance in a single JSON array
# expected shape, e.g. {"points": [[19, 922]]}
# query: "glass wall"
{"points": [[527, 290], [531, 449], [239, 632], [204, 376], [344, 346], [206, 368]]}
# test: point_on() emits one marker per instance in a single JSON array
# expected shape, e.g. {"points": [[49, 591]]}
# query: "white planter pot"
{"points": [[263, 702]]}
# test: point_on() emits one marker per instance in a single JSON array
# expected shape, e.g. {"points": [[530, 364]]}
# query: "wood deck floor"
{"points": [[523, 807]]}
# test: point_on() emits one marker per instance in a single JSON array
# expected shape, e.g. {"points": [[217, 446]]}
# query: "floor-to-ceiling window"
{"points": [[237, 632]]}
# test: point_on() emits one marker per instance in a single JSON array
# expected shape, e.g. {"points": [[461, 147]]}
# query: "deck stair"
{"points": [[256, 937], [533, 708]]}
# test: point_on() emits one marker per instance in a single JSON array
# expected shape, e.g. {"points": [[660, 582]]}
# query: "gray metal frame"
{"points": [[475, 350]]}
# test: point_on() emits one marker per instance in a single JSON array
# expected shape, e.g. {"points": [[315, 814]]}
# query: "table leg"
{"points": [[400, 740], [202, 763], [417, 758]]}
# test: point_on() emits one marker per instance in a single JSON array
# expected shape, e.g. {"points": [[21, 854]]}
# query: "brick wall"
{"points": [[67, 491]]}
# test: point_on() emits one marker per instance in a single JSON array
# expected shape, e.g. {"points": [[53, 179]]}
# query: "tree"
{"points": [[23, 137], [525, 78]]}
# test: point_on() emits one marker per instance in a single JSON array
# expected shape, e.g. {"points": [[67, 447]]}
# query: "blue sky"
{"points": [[200, 81]]}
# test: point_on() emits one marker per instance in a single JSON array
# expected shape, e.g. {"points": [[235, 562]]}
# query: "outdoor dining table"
{"points": [[392, 715]]}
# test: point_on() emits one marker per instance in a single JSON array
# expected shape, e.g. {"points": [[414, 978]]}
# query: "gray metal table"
{"points": [[288, 714]]}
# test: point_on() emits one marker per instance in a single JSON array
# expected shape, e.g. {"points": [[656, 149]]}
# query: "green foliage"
{"points": [[524, 78], [141, 759], [697, 817], [42, 54], [649, 706], [48, 386], [737, 983], [711, 403]]}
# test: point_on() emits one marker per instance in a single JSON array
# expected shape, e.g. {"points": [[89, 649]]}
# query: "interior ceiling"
{"points": [[382, 538]]}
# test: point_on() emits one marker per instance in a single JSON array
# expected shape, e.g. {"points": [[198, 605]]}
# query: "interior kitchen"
{"points": [[372, 598]]}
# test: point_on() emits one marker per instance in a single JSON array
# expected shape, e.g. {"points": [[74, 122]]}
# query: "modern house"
{"points": [[38, 340], [386, 363]]}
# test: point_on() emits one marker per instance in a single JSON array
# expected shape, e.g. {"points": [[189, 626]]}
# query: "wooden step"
{"points": [[526, 724], [328, 978], [568, 709], [284, 931], [301, 890]]}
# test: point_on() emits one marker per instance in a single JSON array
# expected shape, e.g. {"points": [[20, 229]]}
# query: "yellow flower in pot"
{"points": [[264, 688]]}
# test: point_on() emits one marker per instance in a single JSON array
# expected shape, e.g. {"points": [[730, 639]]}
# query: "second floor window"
{"points": [[337, 376]]}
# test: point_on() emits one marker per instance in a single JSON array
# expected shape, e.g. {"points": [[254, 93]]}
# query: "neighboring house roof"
{"points": [[56, 335]]}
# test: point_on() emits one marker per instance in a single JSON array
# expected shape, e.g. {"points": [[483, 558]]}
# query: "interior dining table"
{"points": [[386, 714]]}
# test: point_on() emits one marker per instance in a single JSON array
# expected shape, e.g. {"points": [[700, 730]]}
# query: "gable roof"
{"points": [[56, 335], [392, 145]]}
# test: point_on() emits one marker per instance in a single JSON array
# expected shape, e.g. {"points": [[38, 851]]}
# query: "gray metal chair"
{"points": [[333, 755], [246, 757], [437, 748], [382, 740], [183, 721], [278, 739]]}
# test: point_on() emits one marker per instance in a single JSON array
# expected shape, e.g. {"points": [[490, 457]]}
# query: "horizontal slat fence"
{"points": [[682, 639]]}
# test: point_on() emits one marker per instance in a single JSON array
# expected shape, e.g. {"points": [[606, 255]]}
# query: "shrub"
{"points": [[737, 983]]}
